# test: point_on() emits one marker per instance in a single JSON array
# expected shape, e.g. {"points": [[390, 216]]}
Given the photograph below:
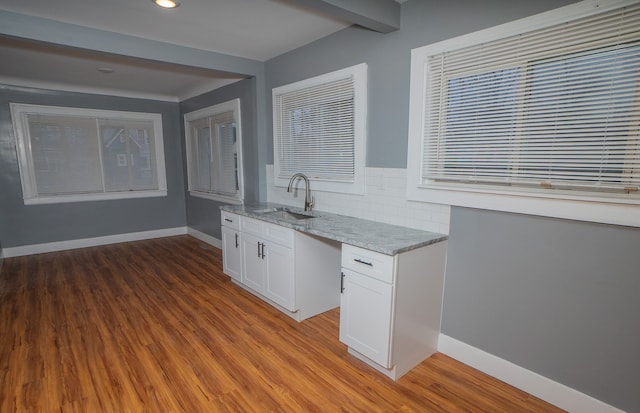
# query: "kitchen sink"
{"points": [[286, 214]]}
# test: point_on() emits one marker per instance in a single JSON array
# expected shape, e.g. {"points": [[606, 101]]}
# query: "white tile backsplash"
{"points": [[384, 201]]}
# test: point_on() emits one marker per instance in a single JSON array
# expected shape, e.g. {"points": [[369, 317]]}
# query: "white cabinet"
{"points": [[297, 273], [365, 316], [231, 246], [267, 256], [253, 264], [390, 306], [279, 283]]}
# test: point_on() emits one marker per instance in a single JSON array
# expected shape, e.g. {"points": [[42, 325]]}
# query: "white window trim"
{"points": [[231, 105], [25, 159], [357, 187], [570, 206]]}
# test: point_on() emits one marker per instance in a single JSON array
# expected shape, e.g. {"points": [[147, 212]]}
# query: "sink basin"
{"points": [[286, 214]]}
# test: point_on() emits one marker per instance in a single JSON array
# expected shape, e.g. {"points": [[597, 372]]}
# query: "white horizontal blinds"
{"points": [[82, 155], [128, 155], [592, 100], [225, 157], [65, 154], [213, 154], [315, 129], [200, 147], [557, 107]]}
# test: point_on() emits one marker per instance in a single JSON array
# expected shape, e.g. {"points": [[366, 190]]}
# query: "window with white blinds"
{"points": [[319, 130], [71, 154], [552, 110], [214, 155]]}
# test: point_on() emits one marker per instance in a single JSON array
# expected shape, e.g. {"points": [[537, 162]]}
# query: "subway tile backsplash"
{"points": [[384, 200]]}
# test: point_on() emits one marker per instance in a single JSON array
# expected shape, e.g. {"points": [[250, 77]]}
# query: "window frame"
{"points": [[558, 203], [209, 111], [26, 165], [357, 185]]}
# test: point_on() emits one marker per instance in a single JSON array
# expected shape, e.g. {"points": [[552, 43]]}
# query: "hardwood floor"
{"points": [[154, 326]]}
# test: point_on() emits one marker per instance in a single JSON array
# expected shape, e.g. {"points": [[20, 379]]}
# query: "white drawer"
{"points": [[230, 220], [371, 263], [251, 226], [278, 234]]}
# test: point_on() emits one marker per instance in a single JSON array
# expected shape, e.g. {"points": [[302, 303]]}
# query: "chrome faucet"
{"points": [[308, 199]]}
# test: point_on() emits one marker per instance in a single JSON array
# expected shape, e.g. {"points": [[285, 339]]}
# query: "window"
{"points": [[71, 154], [319, 128], [214, 152], [544, 108]]}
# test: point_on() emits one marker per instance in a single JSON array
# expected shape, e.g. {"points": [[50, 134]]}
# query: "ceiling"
{"points": [[48, 66], [253, 29]]}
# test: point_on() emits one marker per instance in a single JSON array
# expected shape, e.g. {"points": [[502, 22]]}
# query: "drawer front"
{"points": [[252, 226], [230, 220], [278, 234], [373, 264]]}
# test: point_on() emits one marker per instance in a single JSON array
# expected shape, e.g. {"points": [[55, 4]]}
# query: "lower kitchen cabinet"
{"points": [[268, 261], [269, 270], [253, 264], [231, 246], [390, 306], [297, 273], [279, 281], [365, 316]]}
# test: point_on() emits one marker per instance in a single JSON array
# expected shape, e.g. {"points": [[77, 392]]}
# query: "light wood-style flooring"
{"points": [[155, 326]]}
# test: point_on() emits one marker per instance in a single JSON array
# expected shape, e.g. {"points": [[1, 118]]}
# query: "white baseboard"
{"points": [[91, 242], [204, 237], [533, 383]]}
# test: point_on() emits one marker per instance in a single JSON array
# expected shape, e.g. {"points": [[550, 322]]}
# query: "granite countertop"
{"points": [[375, 236]]}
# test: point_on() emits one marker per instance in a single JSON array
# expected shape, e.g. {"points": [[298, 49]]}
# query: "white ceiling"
{"points": [[254, 29], [31, 64]]}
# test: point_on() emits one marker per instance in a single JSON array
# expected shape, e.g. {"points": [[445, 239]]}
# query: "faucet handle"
{"points": [[308, 204]]}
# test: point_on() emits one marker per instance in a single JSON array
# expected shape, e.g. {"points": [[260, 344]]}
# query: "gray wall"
{"points": [[204, 214], [51, 31], [39, 224], [388, 57], [560, 298], [34, 224]]}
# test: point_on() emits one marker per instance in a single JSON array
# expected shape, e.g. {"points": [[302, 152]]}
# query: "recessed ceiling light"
{"points": [[106, 70], [167, 4]]}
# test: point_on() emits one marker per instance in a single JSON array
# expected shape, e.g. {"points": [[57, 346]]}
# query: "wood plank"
{"points": [[155, 326]]}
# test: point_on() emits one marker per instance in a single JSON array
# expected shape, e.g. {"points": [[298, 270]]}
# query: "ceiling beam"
{"points": [[379, 15]]}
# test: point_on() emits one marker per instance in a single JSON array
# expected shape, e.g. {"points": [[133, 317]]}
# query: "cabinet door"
{"points": [[365, 316], [253, 274], [231, 256], [279, 280]]}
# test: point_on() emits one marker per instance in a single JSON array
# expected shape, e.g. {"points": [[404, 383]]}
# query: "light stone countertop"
{"points": [[375, 236]]}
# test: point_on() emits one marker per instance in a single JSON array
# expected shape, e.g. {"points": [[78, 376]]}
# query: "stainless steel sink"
{"points": [[286, 214]]}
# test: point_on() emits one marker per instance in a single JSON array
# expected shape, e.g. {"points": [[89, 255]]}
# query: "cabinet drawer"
{"points": [[267, 232], [251, 226], [278, 234], [373, 264], [230, 220]]}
